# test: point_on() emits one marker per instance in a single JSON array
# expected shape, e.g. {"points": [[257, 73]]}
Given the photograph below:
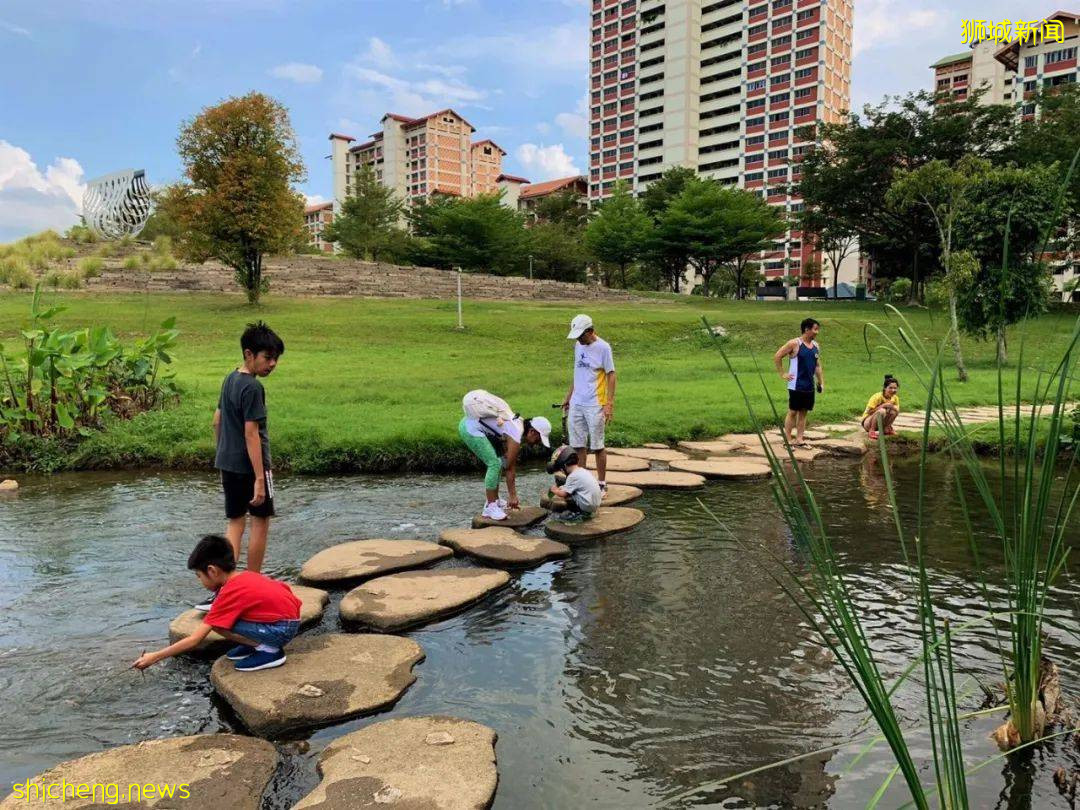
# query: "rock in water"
{"points": [[715, 447], [360, 559], [734, 469], [499, 545], [617, 494], [662, 455], [842, 447], [608, 520], [416, 597], [440, 763], [656, 479], [9, 485], [217, 770], [515, 518], [326, 679], [808, 435], [619, 463], [801, 454], [312, 604]]}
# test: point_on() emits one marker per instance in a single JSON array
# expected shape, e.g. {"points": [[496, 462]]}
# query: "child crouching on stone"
{"points": [[261, 614], [581, 490]]}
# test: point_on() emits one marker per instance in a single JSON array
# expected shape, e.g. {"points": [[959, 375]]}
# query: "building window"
{"points": [[803, 73], [1065, 78], [755, 66], [647, 161], [756, 104], [754, 50], [609, 154], [777, 117], [753, 30], [1031, 61], [1060, 55], [776, 137], [805, 15], [626, 150], [783, 22], [1029, 86], [781, 61], [801, 111], [758, 84], [753, 177], [754, 140], [779, 98], [754, 122], [778, 154], [780, 41], [807, 34], [804, 92], [806, 53], [650, 144], [943, 83], [783, 78], [780, 4]]}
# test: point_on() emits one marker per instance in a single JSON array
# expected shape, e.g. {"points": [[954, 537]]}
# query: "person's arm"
{"points": [[512, 448], [569, 393], [559, 492], [609, 409], [819, 372], [179, 648], [217, 427], [254, 451], [778, 360]]}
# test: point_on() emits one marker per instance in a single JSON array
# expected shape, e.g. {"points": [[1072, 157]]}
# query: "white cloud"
{"points": [[314, 199], [11, 28], [879, 22], [380, 54], [545, 162], [32, 200], [575, 124], [416, 96], [297, 72]]}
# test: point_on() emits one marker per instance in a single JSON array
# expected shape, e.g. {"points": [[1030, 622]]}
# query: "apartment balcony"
{"points": [[779, 105], [629, 24], [805, 118], [753, 147], [758, 14], [783, 48], [808, 60], [814, 19], [811, 79], [756, 74], [807, 3], [1064, 64], [779, 86], [755, 129]]}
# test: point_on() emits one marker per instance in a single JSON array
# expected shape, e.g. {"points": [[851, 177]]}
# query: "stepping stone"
{"points": [[217, 770], [845, 427], [502, 546], [808, 435], [619, 463], [608, 520], [312, 603], [326, 679], [515, 518], [411, 762], [733, 469], [361, 559], [717, 447], [416, 597], [843, 447], [9, 485], [648, 453], [656, 479], [617, 494], [654, 445], [745, 439], [801, 454]]}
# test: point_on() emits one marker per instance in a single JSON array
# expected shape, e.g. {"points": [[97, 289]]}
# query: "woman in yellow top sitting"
{"points": [[885, 406]]}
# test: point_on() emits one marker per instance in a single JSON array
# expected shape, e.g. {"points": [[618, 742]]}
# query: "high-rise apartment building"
{"points": [[419, 157], [729, 88], [962, 73]]}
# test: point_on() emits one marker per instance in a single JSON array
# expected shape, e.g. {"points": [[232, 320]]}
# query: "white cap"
{"points": [[578, 326], [542, 425]]}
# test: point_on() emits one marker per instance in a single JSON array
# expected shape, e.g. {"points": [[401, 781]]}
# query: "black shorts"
{"points": [[800, 400], [239, 489]]}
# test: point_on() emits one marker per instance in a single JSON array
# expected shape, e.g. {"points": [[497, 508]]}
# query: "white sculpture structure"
{"points": [[117, 204]]}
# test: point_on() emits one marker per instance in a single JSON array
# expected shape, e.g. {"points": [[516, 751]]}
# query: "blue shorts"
{"points": [[272, 634]]}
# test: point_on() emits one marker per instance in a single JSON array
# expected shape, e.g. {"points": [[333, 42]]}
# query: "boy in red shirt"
{"points": [[261, 614]]}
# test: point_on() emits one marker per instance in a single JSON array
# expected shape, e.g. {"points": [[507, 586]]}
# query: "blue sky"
{"points": [[88, 87]]}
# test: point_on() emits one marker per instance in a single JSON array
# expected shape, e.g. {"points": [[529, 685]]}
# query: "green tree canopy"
{"points": [[616, 235], [563, 208], [477, 234], [367, 225], [667, 260]]}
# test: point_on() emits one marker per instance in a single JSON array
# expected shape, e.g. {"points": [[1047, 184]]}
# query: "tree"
{"points": [[367, 226], [558, 251], [563, 208], [1054, 135], [836, 238], [944, 192], [616, 235], [237, 203], [477, 234]]}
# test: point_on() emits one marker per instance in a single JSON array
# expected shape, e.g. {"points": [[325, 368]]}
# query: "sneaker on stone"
{"points": [[873, 435], [207, 603], [239, 652], [571, 517], [502, 503], [494, 512], [261, 660], [889, 431]]}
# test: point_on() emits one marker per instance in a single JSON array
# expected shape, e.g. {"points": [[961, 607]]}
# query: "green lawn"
{"points": [[377, 384]]}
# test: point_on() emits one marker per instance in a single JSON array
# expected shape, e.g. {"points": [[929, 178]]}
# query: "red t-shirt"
{"points": [[254, 598]]}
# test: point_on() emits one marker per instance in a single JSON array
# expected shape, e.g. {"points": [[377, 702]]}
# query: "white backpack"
{"points": [[481, 404]]}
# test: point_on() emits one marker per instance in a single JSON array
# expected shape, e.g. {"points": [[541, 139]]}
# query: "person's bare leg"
{"points": [[601, 465], [789, 426], [260, 528], [492, 495], [582, 456], [234, 533], [800, 426], [890, 417]]}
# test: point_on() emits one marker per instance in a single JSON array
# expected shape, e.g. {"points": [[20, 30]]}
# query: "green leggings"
{"points": [[483, 450]]}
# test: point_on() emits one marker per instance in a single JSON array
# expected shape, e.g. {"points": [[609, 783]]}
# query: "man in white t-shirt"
{"points": [[590, 402]]}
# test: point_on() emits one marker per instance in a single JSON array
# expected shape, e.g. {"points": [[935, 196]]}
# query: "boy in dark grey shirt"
{"points": [[243, 446]]}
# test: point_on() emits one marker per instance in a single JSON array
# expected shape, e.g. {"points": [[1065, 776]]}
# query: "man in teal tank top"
{"points": [[803, 375]]}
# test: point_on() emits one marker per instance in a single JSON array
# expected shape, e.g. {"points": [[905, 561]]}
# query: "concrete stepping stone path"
{"points": [[656, 479], [217, 770], [714, 447], [515, 518], [440, 763], [732, 468], [499, 545], [617, 494], [312, 604], [325, 679], [619, 463], [607, 521], [360, 559], [648, 453], [410, 598]]}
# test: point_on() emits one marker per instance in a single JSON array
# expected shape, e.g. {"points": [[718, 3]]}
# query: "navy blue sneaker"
{"points": [[239, 652], [261, 660]]}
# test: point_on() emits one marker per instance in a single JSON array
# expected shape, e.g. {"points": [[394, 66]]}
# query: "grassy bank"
{"points": [[376, 384]]}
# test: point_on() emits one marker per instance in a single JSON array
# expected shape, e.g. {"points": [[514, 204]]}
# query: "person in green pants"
{"points": [[494, 434]]}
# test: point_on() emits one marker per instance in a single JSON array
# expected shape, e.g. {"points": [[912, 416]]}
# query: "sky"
{"points": [[89, 87]]}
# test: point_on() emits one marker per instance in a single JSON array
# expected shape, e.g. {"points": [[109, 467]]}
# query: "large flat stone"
{"points": [[326, 679], [619, 463], [608, 520], [732, 468], [717, 447], [808, 435], [360, 559], [617, 494], [217, 770], [656, 479], [662, 455], [654, 445], [416, 597], [843, 447], [801, 454], [426, 763], [502, 546], [515, 518], [312, 604]]}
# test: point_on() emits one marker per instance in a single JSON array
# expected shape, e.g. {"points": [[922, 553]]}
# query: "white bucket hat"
{"points": [[578, 326]]}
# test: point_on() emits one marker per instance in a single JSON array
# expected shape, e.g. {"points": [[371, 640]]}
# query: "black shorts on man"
{"points": [[239, 489], [800, 400]]}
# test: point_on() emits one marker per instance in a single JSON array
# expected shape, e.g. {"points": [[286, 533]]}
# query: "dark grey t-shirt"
{"points": [[242, 400]]}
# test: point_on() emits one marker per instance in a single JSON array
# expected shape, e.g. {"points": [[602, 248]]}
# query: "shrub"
{"points": [[131, 263], [106, 250], [81, 235], [91, 266], [937, 294], [163, 245], [899, 290]]}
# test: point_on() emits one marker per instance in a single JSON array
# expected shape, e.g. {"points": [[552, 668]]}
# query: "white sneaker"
{"points": [[502, 503], [603, 489], [494, 512]]}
